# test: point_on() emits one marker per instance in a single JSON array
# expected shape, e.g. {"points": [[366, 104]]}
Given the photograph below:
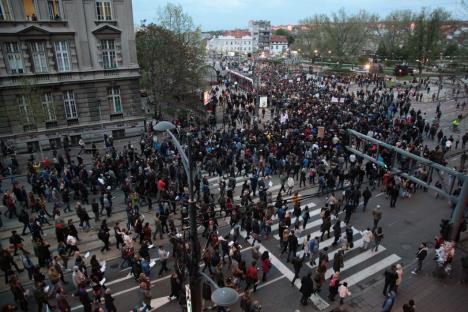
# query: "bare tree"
{"points": [[393, 35], [345, 36]]}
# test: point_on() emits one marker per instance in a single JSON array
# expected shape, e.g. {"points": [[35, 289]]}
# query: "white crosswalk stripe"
{"points": [[352, 272], [372, 269], [348, 264]]}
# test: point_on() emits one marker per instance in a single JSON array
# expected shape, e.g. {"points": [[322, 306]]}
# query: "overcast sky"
{"points": [[229, 14]]}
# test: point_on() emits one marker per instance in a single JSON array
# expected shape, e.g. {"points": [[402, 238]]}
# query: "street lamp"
{"points": [[221, 296]]}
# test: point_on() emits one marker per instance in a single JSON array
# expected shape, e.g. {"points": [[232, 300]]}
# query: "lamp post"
{"points": [[225, 297]]}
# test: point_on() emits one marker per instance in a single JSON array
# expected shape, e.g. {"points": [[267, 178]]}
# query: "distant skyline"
{"points": [[231, 14]]}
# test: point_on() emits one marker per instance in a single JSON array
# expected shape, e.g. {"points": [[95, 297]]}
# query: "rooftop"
{"points": [[276, 38]]}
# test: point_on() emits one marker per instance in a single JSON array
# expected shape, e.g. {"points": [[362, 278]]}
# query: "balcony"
{"points": [[72, 122], [51, 124], [29, 127], [116, 116], [42, 77], [64, 76], [111, 72]]}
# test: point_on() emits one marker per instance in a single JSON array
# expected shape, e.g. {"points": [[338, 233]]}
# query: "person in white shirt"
{"points": [[163, 256], [290, 183], [367, 237], [343, 292]]}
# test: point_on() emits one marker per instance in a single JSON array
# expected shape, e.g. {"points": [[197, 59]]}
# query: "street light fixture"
{"points": [[221, 296]]}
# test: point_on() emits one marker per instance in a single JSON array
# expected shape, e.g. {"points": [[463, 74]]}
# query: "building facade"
{"points": [[261, 34], [67, 67], [231, 42], [278, 45]]}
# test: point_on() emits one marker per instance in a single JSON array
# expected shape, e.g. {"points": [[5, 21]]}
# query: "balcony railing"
{"points": [[72, 122]]}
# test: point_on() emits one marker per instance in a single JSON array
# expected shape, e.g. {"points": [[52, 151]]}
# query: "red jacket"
{"points": [[161, 185], [266, 265], [252, 273]]}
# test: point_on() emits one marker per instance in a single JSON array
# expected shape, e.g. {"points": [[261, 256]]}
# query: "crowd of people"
{"points": [[302, 141]]}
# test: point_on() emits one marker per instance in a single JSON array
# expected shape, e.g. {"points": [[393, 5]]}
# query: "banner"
{"points": [[263, 102], [321, 132]]}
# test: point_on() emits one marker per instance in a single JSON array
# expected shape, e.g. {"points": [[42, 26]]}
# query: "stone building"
{"points": [[67, 67]]}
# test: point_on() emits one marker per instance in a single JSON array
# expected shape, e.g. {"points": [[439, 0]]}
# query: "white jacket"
{"points": [[367, 236], [344, 291]]}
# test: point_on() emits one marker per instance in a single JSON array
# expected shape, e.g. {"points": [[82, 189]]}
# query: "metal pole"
{"points": [[459, 212], [195, 278]]}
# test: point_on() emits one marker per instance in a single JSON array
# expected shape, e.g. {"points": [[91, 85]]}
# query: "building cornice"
{"points": [[67, 78]]}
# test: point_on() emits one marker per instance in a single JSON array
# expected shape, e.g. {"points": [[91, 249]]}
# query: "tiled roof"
{"points": [[236, 33], [276, 38]]}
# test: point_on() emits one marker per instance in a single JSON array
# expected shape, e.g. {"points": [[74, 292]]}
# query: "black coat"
{"points": [[307, 286]]}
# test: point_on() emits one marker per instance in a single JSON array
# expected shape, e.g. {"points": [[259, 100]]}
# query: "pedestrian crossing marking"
{"points": [[348, 264], [316, 299], [371, 270]]}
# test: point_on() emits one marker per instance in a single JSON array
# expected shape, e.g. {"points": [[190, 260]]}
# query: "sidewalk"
{"points": [[429, 293]]}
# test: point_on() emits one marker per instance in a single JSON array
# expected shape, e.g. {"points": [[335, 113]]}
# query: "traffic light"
{"points": [[445, 228]]}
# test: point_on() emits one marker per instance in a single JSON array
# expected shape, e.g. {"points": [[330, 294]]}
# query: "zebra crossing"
{"points": [[359, 264]]}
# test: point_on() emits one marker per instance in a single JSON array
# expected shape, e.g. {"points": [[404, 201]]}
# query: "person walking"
{"points": [[367, 237], [348, 208], [343, 292], [251, 276], [307, 288], [366, 195], [104, 235], [326, 225], [292, 245], [409, 307], [376, 215], [338, 260], [333, 286], [118, 235], [163, 256], [109, 301], [389, 302], [297, 264], [62, 301], [336, 232], [349, 237], [290, 183], [266, 265], [18, 292], [378, 236], [420, 256], [246, 302], [84, 298], [305, 217], [399, 272], [390, 280], [314, 246], [394, 192]]}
